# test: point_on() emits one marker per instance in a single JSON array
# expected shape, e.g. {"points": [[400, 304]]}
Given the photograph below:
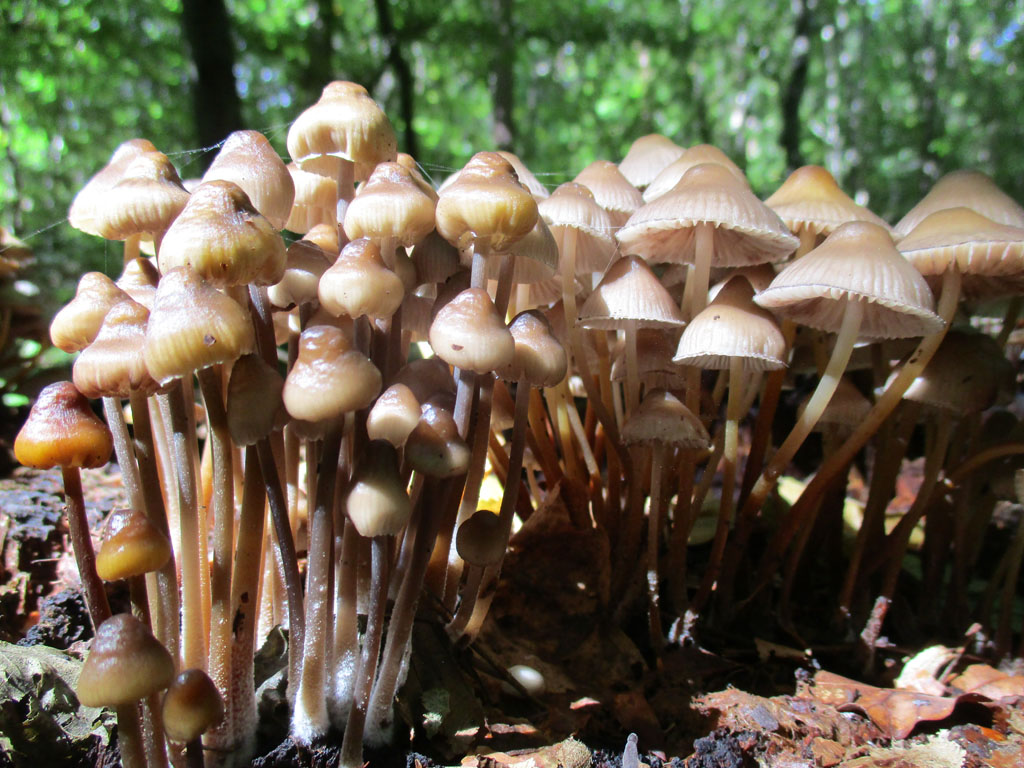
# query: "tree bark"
{"points": [[793, 94], [403, 74], [218, 110], [503, 77]]}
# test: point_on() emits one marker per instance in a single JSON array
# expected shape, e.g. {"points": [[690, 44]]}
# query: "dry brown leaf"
{"points": [[988, 681]]}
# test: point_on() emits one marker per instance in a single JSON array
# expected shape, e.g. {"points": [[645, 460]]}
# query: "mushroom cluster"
{"points": [[640, 322]]}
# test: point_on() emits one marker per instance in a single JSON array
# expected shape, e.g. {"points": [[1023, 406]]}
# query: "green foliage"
{"points": [[897, 91]]}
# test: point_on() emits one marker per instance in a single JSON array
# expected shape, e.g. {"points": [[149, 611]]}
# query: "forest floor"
{"points": [[751, 696]]}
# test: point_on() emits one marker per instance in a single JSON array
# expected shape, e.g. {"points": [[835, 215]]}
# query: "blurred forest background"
{"points": [[887, 94]]}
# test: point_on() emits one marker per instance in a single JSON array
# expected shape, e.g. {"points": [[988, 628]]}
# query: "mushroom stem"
{"points": [[132, 245], [632, 369], [725, 508], [658, 451], [345, 638], [129, 736], [834, 464], [309, 717], [81, 543], [124, 450]]}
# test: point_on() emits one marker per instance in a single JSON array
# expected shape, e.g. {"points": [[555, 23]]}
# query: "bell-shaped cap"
{"points": [[253, 400], [145, 200], [345, 122], [394, 415], [377, 502], [810, 199], [316, 200], [655, 348], [485, 207], [426, 377], [967, 188], [75, 326], [247, 159], [572, 207], [611, 190], [192, 705], [305, 264], [193, 325], [435, 259], [733, 326], [329, 378], [132, 546], [646, 158], [536, 257], [539, 358], [630, 293], [694, 156], [662, 418], [114, 365], [359, 283], [434, 446], [62, 431], [746, 231], [139, 279], [224, 238], [481, 539], [857, 262], [84, 207], [526, 177], [125, 664], [469, 334], [390, 206]]}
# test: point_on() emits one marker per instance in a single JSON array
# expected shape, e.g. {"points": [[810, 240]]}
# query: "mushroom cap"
{"points": [[145, 200], [611, 190], [304, 265], [539, 357], [967, 188], [254, 399], [846, 409], [733, 326], [435, 259], [572, 207], [662, 418], [139, 279], [536, 256], [630, 293], [193, 325], [192, 705], [646, 157], [329, 378], [224, 238], [316, 199], [468, 333], [526, 177], [394, 415], [132, 545], [345, 122], [695, 155], [62, 431], [84, 207], [247, 159], [377, 502], [114, 365], [655, 348], [746, 230], [480, 539], [485, 207], [990, 255], [390, 206], [75, 326], [359, 283], [857, 262], [426, 377], [434, 447], [811, 199], [125, 664]]}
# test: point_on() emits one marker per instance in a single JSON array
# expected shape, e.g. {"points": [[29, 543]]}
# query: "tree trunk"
{"points": [[403, 74], [796, 85], [218, 110], [503, 77]]}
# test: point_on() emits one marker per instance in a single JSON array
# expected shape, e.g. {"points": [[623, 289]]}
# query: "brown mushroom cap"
{"points": [[630, 292], [139, 279], [486, 206], [536, 256], [192, 705], [247, 159], [971, 189], [84, 207], [733, 326], [305, 264], [646, 158], [62, 431], [746, 230], [114, 365], [329, 378], [468, 333], [193, 325], [359, 283], [662, 418], [146, 200], [434, 446], [75, 326], [132, 546], [125, 664], [224, 238], [811, 199], [390, 206], [611, 190], [539, 357], [253, 400], [526, 177], [316, 200], [480, 540], [377, 502], [347, 123], [394, 415], [426, 377], [856, 262]]}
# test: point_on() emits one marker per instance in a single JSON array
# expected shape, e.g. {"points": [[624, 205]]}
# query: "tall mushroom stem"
{"points": [[657, 635], [81, 544], [129, 736]]}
